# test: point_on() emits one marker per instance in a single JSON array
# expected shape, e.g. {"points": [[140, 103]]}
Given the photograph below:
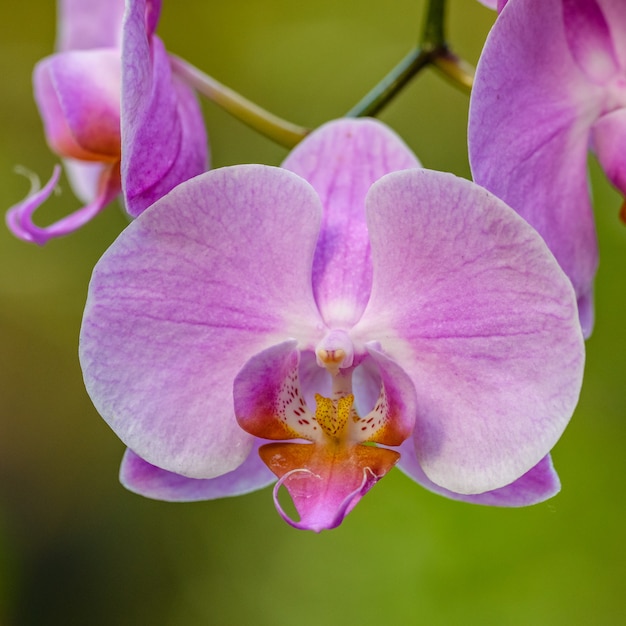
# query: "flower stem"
{"points": [[433, 50], [433, 35], [457, 70], [374, 101], [279, 130]]}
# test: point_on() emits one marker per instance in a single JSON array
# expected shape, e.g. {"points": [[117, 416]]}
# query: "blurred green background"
{"points": [[77, 549]]}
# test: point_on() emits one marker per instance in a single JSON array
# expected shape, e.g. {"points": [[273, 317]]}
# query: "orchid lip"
{"points": [[328, 472], [369, 478]]}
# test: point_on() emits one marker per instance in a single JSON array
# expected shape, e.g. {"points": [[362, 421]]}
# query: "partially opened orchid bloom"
{"points": [[334, 320], [106, 69], [550, 84]]}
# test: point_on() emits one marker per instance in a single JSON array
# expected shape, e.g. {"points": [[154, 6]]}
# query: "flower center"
{"points": [[332, 415], [331, 470]]}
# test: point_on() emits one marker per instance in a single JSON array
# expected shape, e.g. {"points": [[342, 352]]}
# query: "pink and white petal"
{"points": [[608, 139], [163, 137], [85, 24], [19, 218], [184, 297], [341, 160], [268, 397], [78, 95], [615, 14], [494, 4], [141, 477], [468, 300], [588, 37], [153, 13], [537, 485], [392, 418], [84, 177], [529, 131]]}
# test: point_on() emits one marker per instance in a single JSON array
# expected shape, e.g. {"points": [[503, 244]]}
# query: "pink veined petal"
{"points": [[78, 95], [614, 12], [163, 137], [398, 399], [589, 39], [537, 485], [153, 12], [468, 300], [341, 160], [192, 157], [608, 139], [141, 477], [19, 218], [268, 399], [85, 24], [213, 273], [530, 114]]}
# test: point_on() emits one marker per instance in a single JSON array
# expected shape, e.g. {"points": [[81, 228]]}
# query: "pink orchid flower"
{"points": [[108, 99], [550, 85], [328, 320]]}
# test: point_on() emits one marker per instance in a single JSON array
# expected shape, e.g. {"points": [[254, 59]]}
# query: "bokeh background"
{"points": [[77, 549]]}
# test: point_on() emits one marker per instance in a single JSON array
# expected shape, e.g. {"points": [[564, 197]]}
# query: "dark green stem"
{"points": [[433, 35], [432, 50], [388, 87]]}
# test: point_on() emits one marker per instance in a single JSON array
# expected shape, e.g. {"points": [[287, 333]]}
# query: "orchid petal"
{"points": [[85, 24], [78, 95], [490, 4], [537, 485], [163, 140], [468, 300], [268, 398], [141, 477], [19, 218], [153, 12], [589, 39], [186, 295], [494, 4], [608, 138], [528, 135], [84, 177], [396, 406], [341, 160]]}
